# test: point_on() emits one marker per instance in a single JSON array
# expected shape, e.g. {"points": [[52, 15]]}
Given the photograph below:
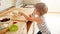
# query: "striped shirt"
{"points": [[43, 27]]}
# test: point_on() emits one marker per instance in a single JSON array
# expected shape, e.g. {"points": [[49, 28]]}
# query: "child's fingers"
{"points": [[20, 13]]}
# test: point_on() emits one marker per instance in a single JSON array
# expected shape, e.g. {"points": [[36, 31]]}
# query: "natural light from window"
{"points": [[53, 5]]}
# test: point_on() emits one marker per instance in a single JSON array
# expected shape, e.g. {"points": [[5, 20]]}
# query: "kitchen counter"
{"points": [[20, 19]]}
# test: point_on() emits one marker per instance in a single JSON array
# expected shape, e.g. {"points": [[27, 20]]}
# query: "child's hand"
{"points": [[30, 15], [21, 14]]}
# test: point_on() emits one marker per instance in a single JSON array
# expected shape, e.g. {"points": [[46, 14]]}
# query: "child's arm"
{"points": [[29, 18], [39, 20]]}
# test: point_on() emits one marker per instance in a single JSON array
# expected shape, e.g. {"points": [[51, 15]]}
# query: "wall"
{"points": [[53, 5], [5, 4]]}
